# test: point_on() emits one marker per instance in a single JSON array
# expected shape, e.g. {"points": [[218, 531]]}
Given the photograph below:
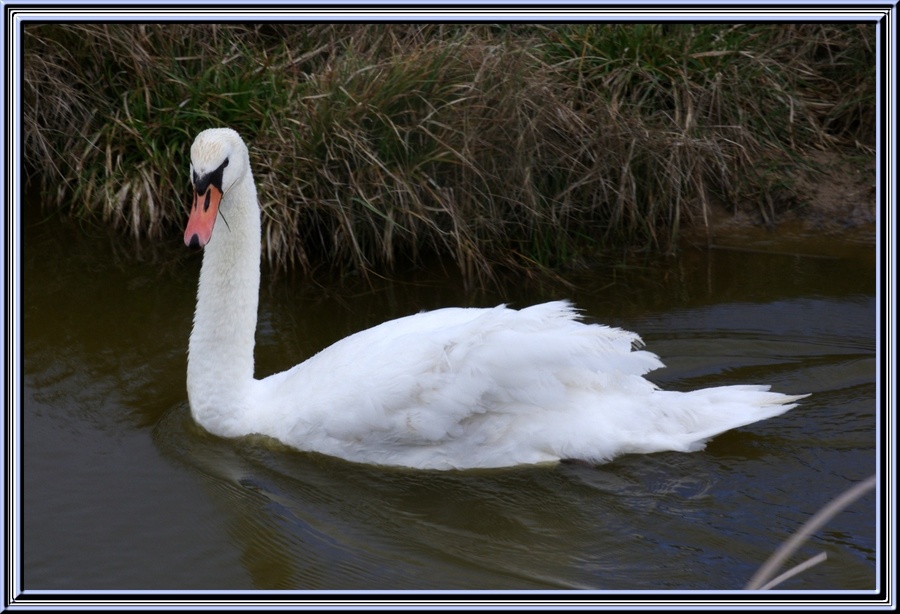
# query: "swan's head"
{"points": [[219, 159]]}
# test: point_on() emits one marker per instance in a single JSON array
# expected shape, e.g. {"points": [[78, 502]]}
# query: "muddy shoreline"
{"points": [[836, 203]]}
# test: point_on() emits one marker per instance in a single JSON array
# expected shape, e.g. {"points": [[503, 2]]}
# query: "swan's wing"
{"points": [[450, 382]]}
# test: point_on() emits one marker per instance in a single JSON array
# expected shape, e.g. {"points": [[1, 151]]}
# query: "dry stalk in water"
{"points": [[762, 579]]}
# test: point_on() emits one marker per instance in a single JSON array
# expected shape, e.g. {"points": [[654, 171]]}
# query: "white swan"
{"points": [[452, 388]]}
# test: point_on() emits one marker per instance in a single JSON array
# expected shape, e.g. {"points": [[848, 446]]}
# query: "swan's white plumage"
{"points": [[452, 388]]}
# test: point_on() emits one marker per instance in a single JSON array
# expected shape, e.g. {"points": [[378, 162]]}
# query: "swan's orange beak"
{"points": [[203, 216]]}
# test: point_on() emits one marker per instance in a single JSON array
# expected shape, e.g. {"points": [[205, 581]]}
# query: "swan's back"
{"points": [[458, 388]]}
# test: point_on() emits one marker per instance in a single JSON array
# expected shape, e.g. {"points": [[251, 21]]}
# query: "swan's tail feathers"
{"points": [[667, 421], [711, 411]]}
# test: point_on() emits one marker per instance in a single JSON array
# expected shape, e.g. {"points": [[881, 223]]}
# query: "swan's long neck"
{"points": [[220, 352]]}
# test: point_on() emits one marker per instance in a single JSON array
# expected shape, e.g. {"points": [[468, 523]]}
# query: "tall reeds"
{"points": [[500, 147]]}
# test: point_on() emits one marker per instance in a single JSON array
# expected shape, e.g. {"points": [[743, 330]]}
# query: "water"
{"points": [[122, 491]]}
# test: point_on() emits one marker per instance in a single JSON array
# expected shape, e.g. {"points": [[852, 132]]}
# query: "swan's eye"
{"points": [[213, 178]]}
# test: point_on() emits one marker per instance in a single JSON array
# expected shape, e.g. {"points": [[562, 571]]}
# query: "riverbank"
{"points": [[835, 204], [503, 149]]}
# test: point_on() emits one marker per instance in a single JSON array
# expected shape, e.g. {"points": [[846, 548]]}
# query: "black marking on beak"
{"points": [[201, 184]]}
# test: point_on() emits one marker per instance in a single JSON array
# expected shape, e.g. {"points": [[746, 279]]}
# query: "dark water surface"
{"points": [[122, 491]]}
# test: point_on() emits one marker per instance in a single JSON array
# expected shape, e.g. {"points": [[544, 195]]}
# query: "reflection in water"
{"points": [[123, 490]]}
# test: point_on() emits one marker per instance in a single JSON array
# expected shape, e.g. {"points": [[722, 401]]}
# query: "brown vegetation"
{"points": [[501, 147]]}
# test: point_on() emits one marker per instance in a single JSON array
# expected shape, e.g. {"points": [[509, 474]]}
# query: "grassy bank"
{"points": [[499, 147]]}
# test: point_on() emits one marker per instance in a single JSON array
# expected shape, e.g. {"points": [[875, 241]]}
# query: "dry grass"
{"points": [[523, 148]]}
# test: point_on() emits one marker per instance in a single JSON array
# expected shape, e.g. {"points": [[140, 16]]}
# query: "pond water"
{"points": [[121, 490]]}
